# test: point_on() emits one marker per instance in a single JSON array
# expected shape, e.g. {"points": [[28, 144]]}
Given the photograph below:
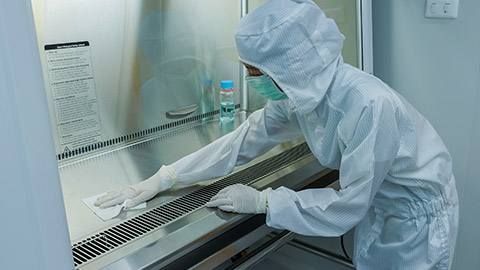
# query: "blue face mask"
{"points": [[265, 86]]}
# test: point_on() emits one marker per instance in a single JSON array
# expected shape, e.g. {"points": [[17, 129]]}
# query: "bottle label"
{"points": [[227, 90]]}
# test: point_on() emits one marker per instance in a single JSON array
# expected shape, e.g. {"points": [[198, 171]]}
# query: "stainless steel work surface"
{"points": [[186, 229]]}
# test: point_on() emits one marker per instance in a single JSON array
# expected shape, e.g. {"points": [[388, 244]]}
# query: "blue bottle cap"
{"points": [[226, 84]]}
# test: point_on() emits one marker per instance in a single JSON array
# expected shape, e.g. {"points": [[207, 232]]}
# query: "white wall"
{"points": [[435, 64]]}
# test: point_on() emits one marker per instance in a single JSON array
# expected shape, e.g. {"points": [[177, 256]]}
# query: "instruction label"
{"points": [[72, 87]]}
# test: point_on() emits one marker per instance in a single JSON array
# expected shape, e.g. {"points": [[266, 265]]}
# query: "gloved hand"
{"points": [[240, 199], [164, 179]]}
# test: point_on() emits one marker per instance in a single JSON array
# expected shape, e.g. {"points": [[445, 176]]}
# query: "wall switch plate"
{"points": [[441, 9]]}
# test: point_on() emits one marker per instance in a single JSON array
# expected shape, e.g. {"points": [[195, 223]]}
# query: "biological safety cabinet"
{"points": [[123, 87]]}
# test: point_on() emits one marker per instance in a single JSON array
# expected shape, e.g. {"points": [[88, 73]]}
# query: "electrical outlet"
{"points": [[441, 9]]}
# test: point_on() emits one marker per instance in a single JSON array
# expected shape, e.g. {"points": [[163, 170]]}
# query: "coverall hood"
{"points": [[294, 43]]}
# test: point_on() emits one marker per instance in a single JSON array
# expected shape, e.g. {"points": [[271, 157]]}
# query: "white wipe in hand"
{"points": [[110, 212]]}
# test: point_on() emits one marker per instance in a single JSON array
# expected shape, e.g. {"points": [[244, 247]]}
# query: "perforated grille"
{"points": [[127, 231], [135, 135]]}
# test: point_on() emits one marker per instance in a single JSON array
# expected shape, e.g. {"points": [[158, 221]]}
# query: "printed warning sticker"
{"points": [[72, 86]]}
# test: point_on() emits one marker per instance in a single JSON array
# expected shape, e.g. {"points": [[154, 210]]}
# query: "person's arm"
{"points": [[263, 130], [365, 163]]}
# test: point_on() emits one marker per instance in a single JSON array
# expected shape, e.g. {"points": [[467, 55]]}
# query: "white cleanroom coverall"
{"points": [[396, 177]]}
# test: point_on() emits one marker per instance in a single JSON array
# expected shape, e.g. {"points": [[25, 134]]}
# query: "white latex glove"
{"points": [[164, 179], [240, 199]]}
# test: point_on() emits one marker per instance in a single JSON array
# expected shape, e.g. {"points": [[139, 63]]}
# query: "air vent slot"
{"points": [[99, 244], [136, 135]]}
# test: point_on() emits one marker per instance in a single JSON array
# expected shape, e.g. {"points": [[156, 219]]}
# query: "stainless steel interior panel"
{"points": [[150, 58]]}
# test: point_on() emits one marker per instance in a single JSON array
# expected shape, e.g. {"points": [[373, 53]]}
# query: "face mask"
{"points": [[265, 87]]}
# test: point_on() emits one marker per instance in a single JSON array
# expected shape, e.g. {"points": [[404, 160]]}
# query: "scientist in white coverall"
{"points": [[396, 179]]}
